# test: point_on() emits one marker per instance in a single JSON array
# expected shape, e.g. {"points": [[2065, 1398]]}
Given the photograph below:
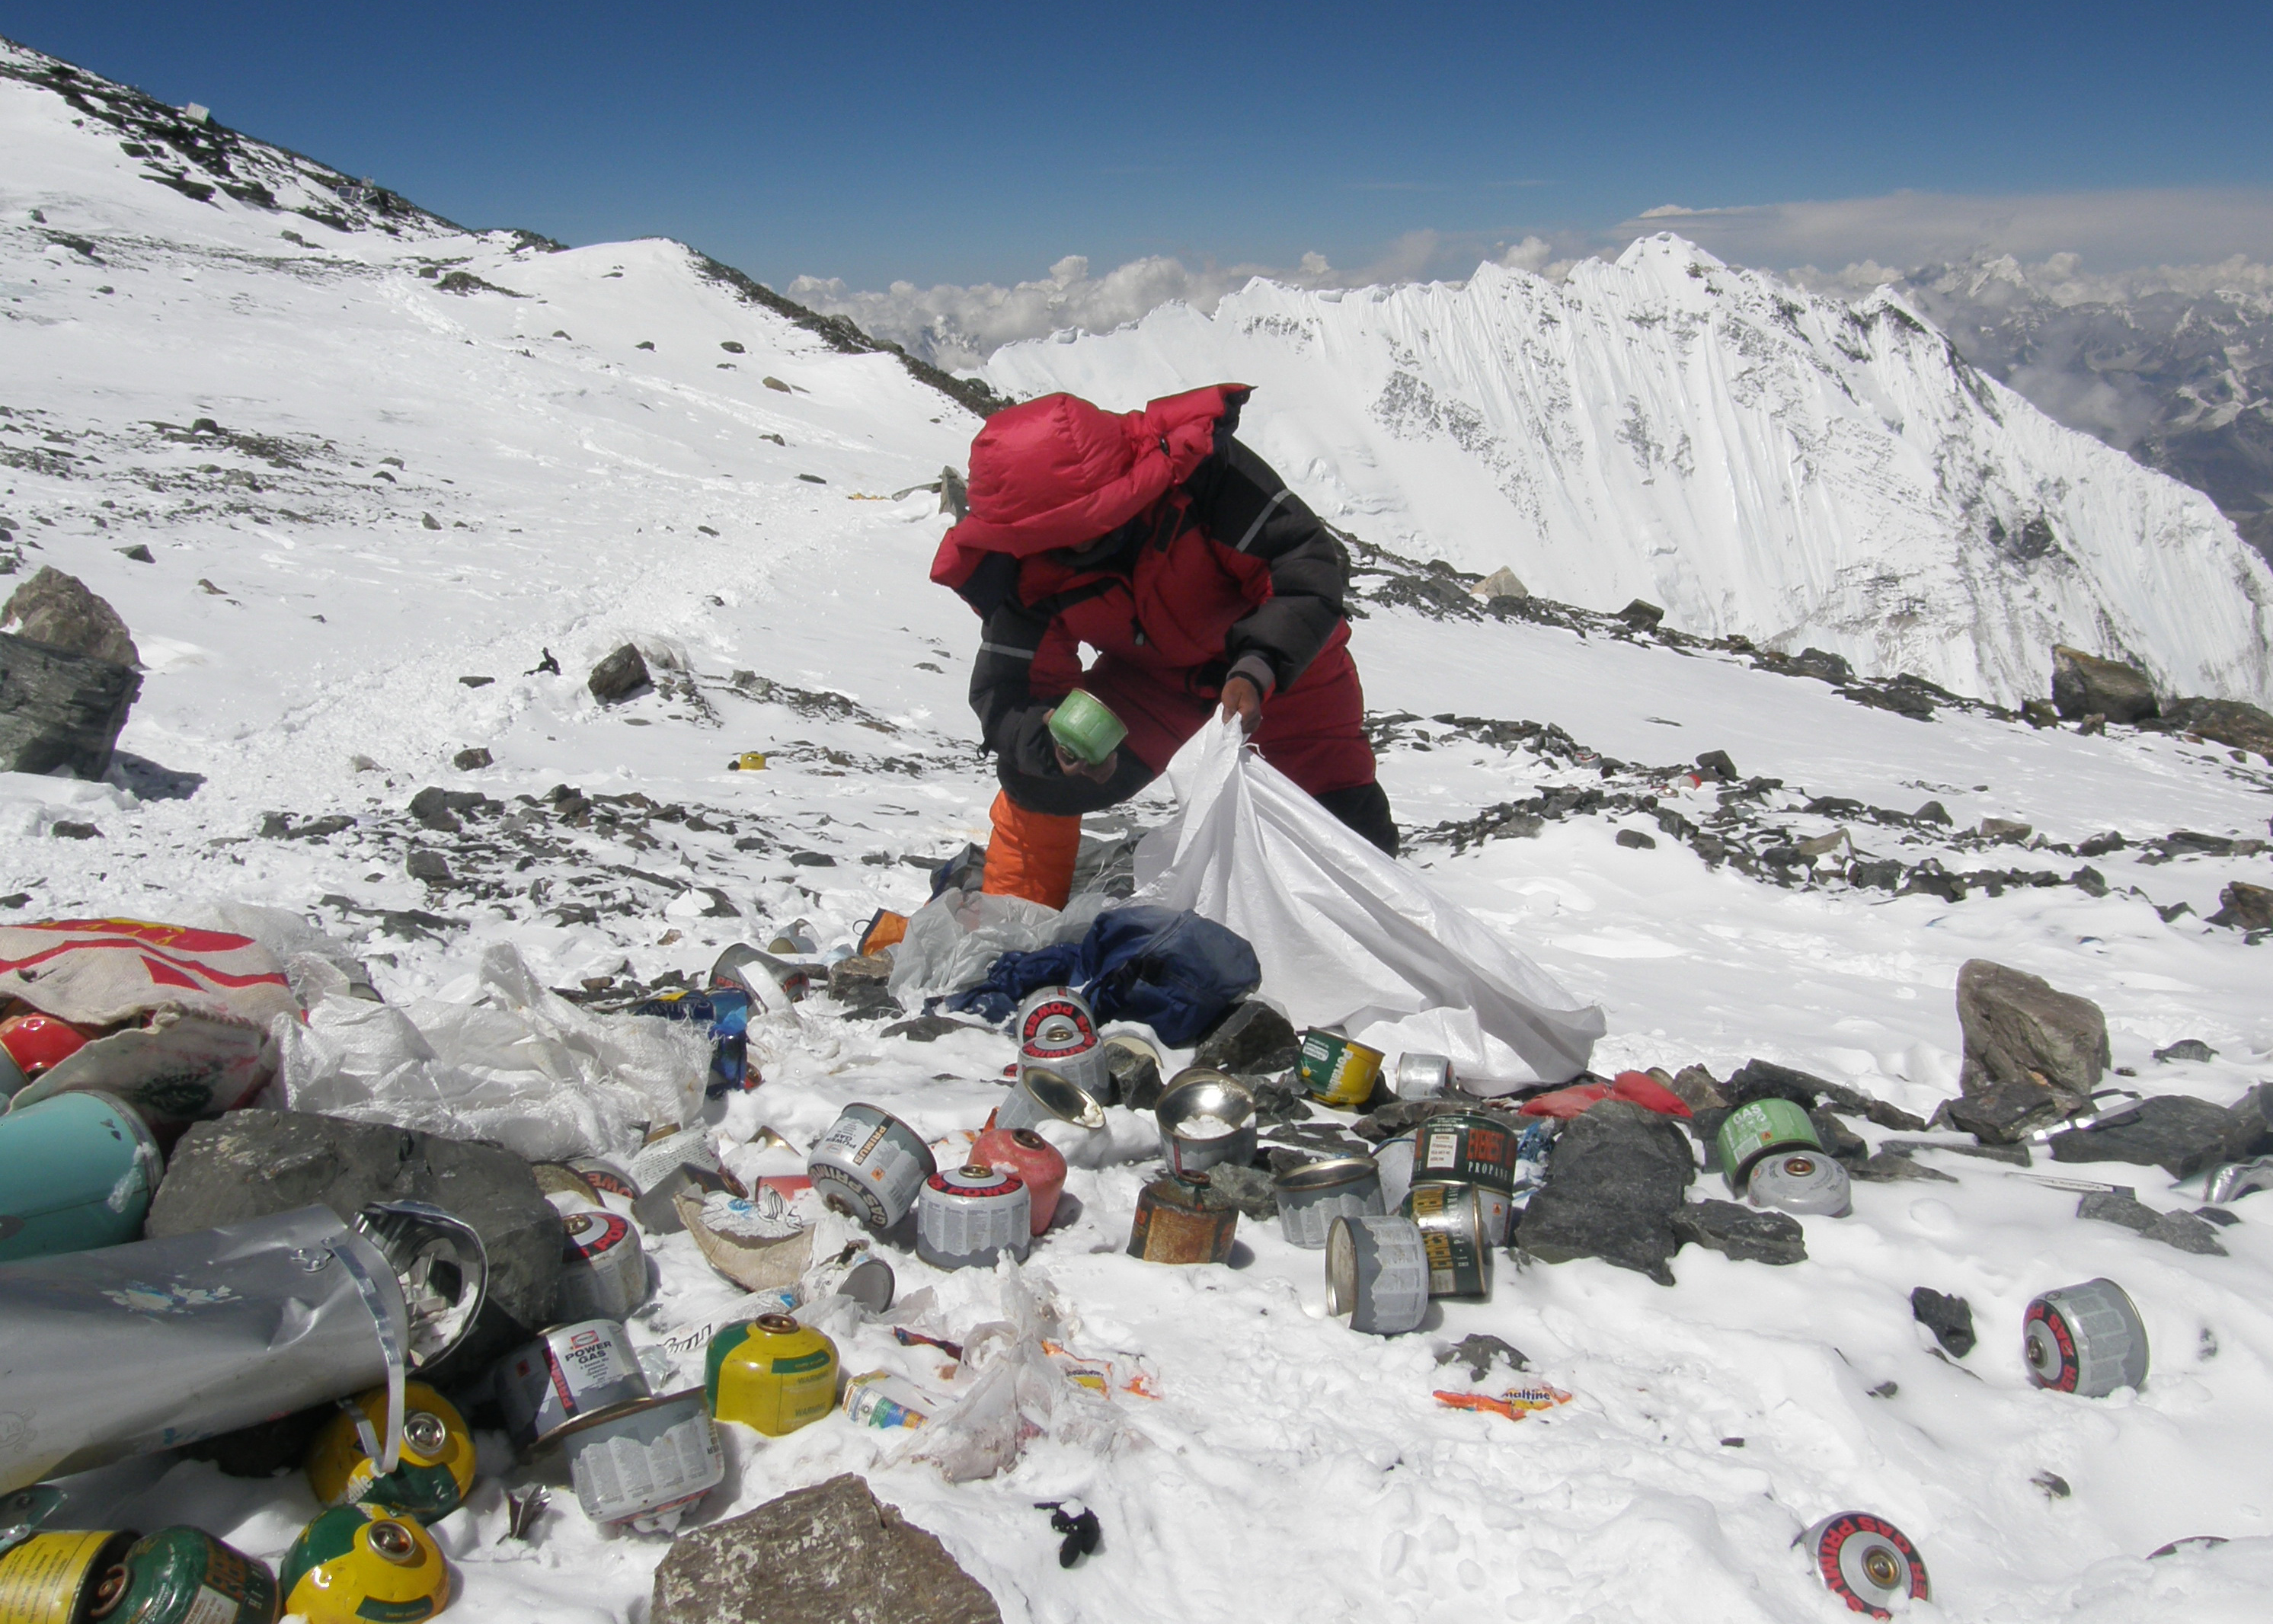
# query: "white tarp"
{"points": [[1348, 937]]}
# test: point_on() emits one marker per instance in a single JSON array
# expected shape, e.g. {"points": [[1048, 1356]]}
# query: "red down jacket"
{"points": [[1159, 541]]}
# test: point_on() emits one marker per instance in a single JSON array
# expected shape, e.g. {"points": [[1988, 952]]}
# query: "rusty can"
{"points": [[1057, 1030], [571, 1371], [603, 1271], [1338, 1070], [1312, 1196], [184, 1576], [1036, 1161], [969, 1216], [52, 1578], [1377, 1273], [1206, 1119], [1451, 1218], [646, 1464], [1175, 1225], [1422, 1076], [1465, 1147], [870, 1165]]}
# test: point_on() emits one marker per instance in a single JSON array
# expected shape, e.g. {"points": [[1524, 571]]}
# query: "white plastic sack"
{"points": [[954, 939], [497, 1056], [1347, 936]]}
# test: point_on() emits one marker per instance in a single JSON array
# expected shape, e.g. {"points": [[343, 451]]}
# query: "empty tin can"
{"points": [[881, 1399], [1757, 1127], [1033, 1159], [869, 1165], [771, 1373], [359, 1565], [182, 1576], [1466, 1147], [1800, 1181], [606, 1178], [53, 1578], [1312, 1196], [969, 1216], [2086, 1339], [1039, 1095], [76, 1171], [1086, 728], [1495, 1208], [1866, 1562], [854, 1273], [1377, 1273], [570, 1372], [603, 1271], [1337, 1070], [1451, 1219], [1422, 1076], [1392, 1159], [646, 1464], [1175, 1224], [437, 1464], [1206, 1119], [1056, 1030]]}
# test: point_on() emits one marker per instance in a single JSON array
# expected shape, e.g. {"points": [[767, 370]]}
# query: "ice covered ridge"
{"points": [[1758, 460]]}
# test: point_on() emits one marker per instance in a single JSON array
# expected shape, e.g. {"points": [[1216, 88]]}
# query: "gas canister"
{"points": [[438, 1455], [360, 1565], [771, 1373]]}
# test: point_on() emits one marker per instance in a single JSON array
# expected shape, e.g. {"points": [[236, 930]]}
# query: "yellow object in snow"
{"points": [[436, 1469], [359, 1565], [748, 760], [771, 1373]]}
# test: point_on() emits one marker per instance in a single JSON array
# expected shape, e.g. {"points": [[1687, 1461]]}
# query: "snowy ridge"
{"points": [[1755, 460]]}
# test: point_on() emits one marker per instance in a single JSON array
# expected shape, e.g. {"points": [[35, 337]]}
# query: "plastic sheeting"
{"points": [[497, 1056], [954, 939], [1348, 937]]}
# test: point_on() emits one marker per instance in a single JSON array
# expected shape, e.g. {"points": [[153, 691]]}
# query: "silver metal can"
{"points": [[1041, 1095], [1422, 1076], [1206, 1119], [1451, 1218], [602, 1269], [969, 1216], [855, 1273], [645, 1465], [1392, 1159], [606, 1178], [1312, 1196], [1377, 1274], [1057, 1030], [870, 1165], [570, 1372], [1800, 1181], [1495, 1206], [2086, 1339], [1866, 1562]]}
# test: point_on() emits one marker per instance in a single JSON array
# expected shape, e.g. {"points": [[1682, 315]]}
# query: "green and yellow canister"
{"points": [[360, 1565], [1336, 1070], [437, 1466], [76, 1171], [51, 1578], [1754, 1129], [771, 1373], [184, 1576], [1086, 728]]}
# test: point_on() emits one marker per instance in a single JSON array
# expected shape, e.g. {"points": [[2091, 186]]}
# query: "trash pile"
{"points": [[250, 1212]]}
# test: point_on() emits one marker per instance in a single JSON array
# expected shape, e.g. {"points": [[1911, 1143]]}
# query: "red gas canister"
{"points": [[1033, 1159], [36, 1043]]}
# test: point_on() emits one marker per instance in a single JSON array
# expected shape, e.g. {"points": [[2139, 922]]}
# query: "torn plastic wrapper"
{"points": [[135, 1348]]}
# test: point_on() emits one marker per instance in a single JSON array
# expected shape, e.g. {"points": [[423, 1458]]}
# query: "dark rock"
{"points": [[2089, 881], [1635, 841], [2005, 829], [1950, 1318], [1479, 1353], [1716, 764], [2052, 1484], [2101, 845], [2228, 722], [1933, 812], [1694, 1087], [1251, 1036], [2038, 712], [2179, 1134], [1893, 1166], [61, 710], [1744, 1233], [862, 983], [620, 675], [2019, 1030], [472, 760], [1616, 1175], [430, 867], [427, 520], [1396, 1116], [252, 1164], [1841, 1143], [830, 1555], [1758, 1079], [1250, 1190], [2252, 1121], [2182, 1230], [1641, 616], [1136, 1082], [2186, 1048], [2244, 906], [64, 828], [140, 553], [928, 1028], [431, 807], [812, 859], [1825, 666], [57, 610], [2003, 1113], [2085, 685]]}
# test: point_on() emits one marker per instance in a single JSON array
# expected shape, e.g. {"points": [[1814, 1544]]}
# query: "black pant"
{"points": [[1363, 808]]}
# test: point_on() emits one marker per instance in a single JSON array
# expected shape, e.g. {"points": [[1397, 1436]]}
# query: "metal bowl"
{"points": [[1042, 1095], [1198, 1095]]}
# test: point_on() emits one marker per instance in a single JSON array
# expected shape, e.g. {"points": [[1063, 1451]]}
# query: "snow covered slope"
{"points": [[1754, 460], [313, 647]]}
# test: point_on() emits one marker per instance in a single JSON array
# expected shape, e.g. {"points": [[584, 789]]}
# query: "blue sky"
{"points": [[961, 143]]}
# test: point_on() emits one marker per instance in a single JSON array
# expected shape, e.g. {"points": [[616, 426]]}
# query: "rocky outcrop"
{"points": [[2085, 685], [2032, 1054], [1615, 1179]]}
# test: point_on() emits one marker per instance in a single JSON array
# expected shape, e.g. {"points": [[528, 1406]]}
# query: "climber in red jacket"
{"points": [[1159, 540]]}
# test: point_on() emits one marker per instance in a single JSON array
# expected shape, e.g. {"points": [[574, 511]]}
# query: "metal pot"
{"points": [[1207, 1118]]}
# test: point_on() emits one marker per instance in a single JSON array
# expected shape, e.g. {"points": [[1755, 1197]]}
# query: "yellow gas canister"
{"points": [[52, 1578], [438, 1455], [771, 1373], [361, 1565]]}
